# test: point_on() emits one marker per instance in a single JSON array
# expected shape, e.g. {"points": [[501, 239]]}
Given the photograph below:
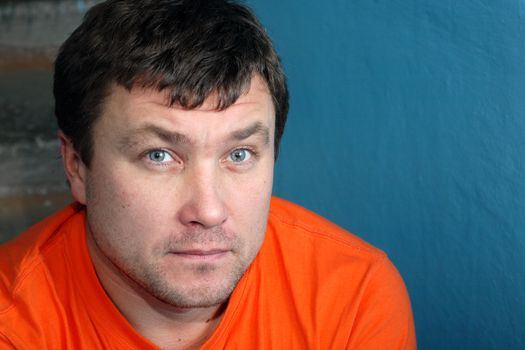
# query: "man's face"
{"points": [[177, 200]]}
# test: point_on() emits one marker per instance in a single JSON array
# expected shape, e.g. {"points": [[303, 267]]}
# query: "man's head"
{"points": [[171, 114], [191, 49]]}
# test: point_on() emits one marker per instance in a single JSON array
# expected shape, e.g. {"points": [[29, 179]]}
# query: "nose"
{"points": [[203, 204]]}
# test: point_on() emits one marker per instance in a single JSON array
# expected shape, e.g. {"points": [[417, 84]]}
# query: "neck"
{"points": [[165, 325]]}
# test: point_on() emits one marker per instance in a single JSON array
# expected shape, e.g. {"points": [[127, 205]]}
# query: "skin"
{"points": [[177, 204]]}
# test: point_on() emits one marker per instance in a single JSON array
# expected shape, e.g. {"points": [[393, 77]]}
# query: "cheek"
{"points": [[252, 206], [119, 208], [108, 192], [252, 192]]}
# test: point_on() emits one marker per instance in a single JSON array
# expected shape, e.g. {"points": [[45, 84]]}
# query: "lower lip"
{"points": [[202, 257]]}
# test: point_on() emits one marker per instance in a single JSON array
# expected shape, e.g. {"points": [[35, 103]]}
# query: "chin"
{"points": [[197, 298], [200, 293]]}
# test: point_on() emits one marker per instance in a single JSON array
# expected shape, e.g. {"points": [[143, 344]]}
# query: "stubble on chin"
{"points": [[187, 294], [187, 284]]}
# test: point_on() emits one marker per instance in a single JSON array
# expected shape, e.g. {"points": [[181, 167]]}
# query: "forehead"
{"points": [[144, 105], [256, 93]]}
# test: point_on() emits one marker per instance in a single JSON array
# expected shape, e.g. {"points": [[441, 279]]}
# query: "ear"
{"points": [[74, 168]]}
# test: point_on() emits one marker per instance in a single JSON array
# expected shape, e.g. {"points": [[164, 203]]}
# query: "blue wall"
{"points": [[407, 127]]}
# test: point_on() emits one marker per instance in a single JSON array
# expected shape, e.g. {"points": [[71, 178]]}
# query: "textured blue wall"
{"points": [[407, 127]]}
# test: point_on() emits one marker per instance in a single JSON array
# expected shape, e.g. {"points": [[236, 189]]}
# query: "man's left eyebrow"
{"points": [[256, 128]]}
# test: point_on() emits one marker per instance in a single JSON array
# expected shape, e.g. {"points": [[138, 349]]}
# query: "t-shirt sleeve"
{"points": [[384, 319]]}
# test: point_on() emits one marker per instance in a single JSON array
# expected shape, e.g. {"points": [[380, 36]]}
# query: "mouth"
{"points": [[201, 255]]}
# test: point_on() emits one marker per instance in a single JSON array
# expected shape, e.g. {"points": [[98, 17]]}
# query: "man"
{"points": [[170, 115]]}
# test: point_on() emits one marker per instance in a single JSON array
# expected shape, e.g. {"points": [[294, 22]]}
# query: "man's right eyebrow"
{"points": [[138, 136]]}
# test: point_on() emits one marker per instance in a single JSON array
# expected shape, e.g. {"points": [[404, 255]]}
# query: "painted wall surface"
{"points": [[407, 127]]}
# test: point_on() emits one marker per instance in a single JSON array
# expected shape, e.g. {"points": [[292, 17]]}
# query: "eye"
{"points": [[159, 156], [240, 155]]}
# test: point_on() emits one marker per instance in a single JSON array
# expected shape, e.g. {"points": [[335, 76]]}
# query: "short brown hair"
{"points": [[191, 48]]}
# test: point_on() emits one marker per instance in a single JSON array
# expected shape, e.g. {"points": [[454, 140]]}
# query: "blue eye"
{"points": [[240, 155], [158, 156]]}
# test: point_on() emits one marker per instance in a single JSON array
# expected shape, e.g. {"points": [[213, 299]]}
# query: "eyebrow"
{"points": [[137, 135], [174, 137], [256, 128]]}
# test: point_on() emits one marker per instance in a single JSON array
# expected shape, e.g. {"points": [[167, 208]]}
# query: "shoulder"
{"points": [[31, 266], [305, 237], [313, 251], [360, 288], [22, 258], [298, 223]]}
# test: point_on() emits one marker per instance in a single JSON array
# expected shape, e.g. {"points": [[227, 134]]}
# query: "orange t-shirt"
{"points": [[312, 286]]}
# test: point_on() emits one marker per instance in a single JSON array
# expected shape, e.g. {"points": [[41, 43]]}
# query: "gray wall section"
{"points": [[32, 184], [39, 24]]}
